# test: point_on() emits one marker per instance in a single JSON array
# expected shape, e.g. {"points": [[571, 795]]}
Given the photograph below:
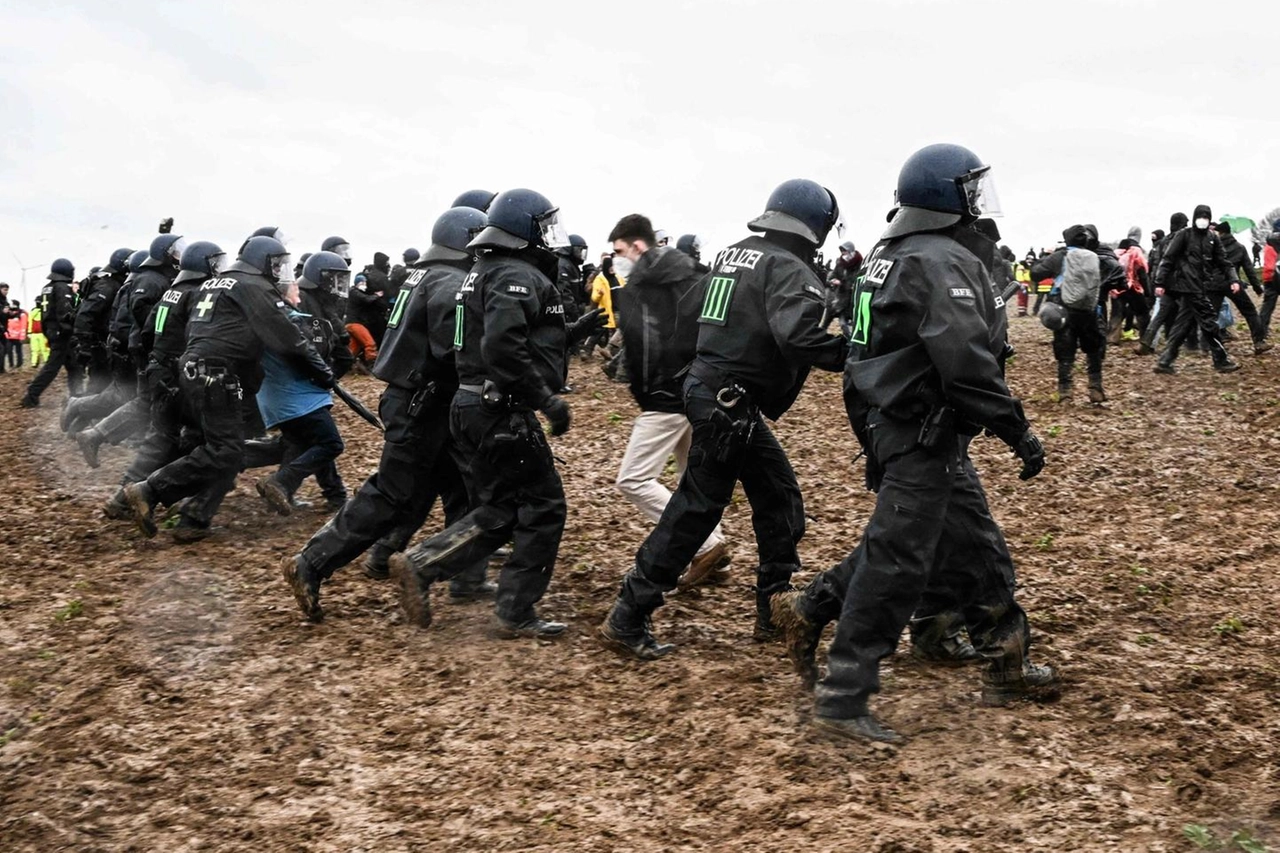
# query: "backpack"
{"points": [[1080, 279]]}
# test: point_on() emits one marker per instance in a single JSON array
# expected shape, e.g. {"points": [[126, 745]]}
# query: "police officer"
{"points": [[57, 314], [569, 279], [760, 330], [166, 341], [149, 284], [510, 340], [477, 199], [232, 319], [923, 377], [417, 363], [93, 319]]}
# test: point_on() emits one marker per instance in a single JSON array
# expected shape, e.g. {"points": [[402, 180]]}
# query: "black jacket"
{"points": [[1238, 258], [367, 302], [513, 330], [93, 316], [57, 312], [232, 319], [925, 335], [1191, 260], [418, 347], [659, 340], [569, 283], [761, 322], [149, 284]]}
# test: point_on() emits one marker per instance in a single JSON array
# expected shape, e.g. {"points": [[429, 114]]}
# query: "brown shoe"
{"points": [[415, 590], [800, 636], [305, 584], [707, 569]]}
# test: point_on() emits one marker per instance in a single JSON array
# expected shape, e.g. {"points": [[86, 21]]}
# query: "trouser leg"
{"points": [[318, 443], [48, 372], [214, 408]]}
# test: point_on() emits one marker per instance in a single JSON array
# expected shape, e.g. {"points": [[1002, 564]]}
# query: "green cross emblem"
{"points": [[205, 305]]}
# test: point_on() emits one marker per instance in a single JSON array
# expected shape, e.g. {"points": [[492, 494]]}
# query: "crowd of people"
{"points": [[211, 364]]}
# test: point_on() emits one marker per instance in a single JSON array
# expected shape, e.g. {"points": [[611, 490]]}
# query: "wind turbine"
{"points": [[22, 284]]}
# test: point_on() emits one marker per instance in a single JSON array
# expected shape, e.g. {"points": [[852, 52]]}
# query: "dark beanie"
{"points": [[1177, 221], [1223, 227], [1075, 236]]}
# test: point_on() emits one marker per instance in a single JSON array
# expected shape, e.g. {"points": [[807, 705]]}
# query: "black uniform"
{"points": [[232, 319], [923, 377], [1220, 288], [569, 283], [759, 333], [149, 284], [93, 326], [417, 363], [510, 341], [1187, 268], [57, 317]]}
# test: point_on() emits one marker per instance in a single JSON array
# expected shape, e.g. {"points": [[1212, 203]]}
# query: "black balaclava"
{"points": [[1076, 236], [1177, 222], [381, 261], [1202, 211]]}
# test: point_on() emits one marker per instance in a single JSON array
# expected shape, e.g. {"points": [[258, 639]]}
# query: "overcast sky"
{"points": [[366, 119]]}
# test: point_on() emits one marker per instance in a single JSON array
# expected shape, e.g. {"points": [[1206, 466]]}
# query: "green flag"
{"points": [[1238, 223]]}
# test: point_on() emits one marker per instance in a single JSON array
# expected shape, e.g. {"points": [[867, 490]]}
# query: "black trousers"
{"points": [[311, 444], [1270, 291], [517, 497], [416, 468], [1194, 310], [720, 456], [1246, 308], [162, 443], [931, 532], [1083, 332], [212, 410], [49, 371]]}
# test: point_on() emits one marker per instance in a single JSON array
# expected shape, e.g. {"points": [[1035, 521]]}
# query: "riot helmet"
{"points": [[267, 257], [62, 270], [119, 260], [339, 246], [941, 185], [578, 248], [137, 259], [327, 272], [165, 251], [801, 207], [411, 256], [477, 199], [201, 260], [520, 219], [1053, 316], [452, 233]]}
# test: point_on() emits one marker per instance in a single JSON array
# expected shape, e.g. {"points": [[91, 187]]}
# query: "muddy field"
{"points": [[156, 696]]}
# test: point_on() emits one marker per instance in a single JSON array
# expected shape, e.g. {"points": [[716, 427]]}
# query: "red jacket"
{"points": [[1268, 263]]}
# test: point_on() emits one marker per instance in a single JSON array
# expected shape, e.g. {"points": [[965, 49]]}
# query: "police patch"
{"points": [[517, 288], [960, 292], [878, 270]]}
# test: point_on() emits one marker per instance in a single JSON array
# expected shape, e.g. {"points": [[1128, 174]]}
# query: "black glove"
{"points": [[1257, 290], [1031, 452], [323, 380], [556, 411], [579, 330], [166, 225]]}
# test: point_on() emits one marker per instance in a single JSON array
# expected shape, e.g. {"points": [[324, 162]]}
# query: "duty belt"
{"points": [[729, 389], [196, 367], [472, 389]]}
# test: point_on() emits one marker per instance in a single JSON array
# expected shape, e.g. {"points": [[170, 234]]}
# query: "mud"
{"points": [[156, 696]]}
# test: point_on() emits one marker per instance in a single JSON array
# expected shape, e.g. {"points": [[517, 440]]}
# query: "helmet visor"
{"points": [[337, 282], [979, 192], [218, 263], [281, 267], [175, 250], [554, 235], [342, 250]]}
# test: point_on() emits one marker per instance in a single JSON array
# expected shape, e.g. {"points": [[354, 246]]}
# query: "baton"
{"points": [[356, 406]]}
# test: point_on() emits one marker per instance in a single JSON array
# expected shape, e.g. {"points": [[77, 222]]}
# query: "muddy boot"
{"points": [[533, 628], [89, 441], [938, 640], [1002, 683], [70, 415], [799, 635], [1064, 381], [117, 508], [1225, 365], [142, 506], [472, 585], [377, 565], [627, 631], [1096, 394], [1259, 347], [415, 589], [187, 531], [275, 494], [863, 728], [771, 578], [707, 569], [305, 584]]}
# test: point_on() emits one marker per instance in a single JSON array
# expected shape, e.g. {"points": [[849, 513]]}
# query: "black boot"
{"points": [[1007, 681], [415, 588], [377, 565], [89, 441], [142, 505], [865, 728], [117, 508], [275, 494], [1096, 394], [938, 640], [626, 630], [800, 634], [1064, 381], [533, 627]]}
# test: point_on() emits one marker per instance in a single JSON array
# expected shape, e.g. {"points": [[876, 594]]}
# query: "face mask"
{"points": [[622, 266], [1202, 223]]}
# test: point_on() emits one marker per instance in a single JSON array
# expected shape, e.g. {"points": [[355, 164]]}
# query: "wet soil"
{"points": [[159, 696]]}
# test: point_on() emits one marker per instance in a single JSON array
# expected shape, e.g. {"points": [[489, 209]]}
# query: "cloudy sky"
{"points": [[366, 119]]}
